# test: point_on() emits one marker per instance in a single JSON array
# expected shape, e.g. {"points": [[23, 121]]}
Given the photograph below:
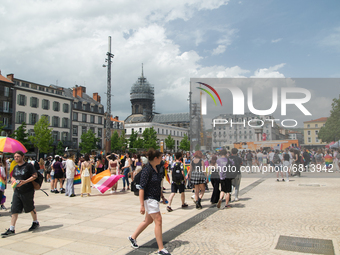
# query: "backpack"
{"points": [[249, 156], [318, 157], [36, 165], [276, 159], [177, 176], [233, 168], [38, 181], [136, 181]]}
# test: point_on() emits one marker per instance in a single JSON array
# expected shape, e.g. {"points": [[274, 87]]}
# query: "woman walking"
{"points": [[58, 175], [198, 177], [126, 171], [86, 175], [149, 197], [70, 169], [215, 180]]}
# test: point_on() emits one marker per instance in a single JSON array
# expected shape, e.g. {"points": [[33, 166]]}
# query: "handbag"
{"points": [[86, 172]]}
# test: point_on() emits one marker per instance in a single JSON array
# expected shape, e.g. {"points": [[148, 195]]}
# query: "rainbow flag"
{"points": [[104, 180], [77, 177], [13, 164], [328, 160], [166, 174], [2, 183], [186, 170]]}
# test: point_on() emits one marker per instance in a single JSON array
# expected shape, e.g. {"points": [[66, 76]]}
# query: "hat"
{"points": [[56, 156]]}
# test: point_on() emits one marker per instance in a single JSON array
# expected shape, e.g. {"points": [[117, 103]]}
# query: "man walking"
{"points": [[23, 195]]}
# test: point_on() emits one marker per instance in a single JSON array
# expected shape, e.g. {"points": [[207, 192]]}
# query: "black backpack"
{"points": [[36, 165], [177, 176], [276, 159], [136, 181], [233, 167], [38, 181]]}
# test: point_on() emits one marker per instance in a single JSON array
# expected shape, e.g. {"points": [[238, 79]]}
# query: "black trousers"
{"points": [[215, 196]]}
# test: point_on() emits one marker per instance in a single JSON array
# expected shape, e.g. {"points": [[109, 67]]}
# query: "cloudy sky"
{"points": [[66, 41]]}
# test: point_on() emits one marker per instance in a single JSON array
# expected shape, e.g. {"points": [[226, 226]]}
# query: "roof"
{"points": [[115, 120], [323, 119], [135, 118], [3, 78], [85, 98], [171, 118]]}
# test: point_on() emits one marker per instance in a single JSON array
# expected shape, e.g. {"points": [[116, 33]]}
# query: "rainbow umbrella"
{"points": [[11, 145]]}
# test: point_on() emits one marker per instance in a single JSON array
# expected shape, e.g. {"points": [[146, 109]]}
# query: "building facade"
{"points": [[292, 135], [311, 131], [32, 101], [6, 106]]}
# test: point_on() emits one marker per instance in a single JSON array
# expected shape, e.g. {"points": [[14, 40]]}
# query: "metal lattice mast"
{"points": [[108, 111]]}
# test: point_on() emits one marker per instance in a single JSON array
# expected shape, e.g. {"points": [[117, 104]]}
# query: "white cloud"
{"points": [[271, 72], [276, 40], [219, 50], [332, 40]]}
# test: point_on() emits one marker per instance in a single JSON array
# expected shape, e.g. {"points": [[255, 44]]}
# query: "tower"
{"points": [[142, 98]]}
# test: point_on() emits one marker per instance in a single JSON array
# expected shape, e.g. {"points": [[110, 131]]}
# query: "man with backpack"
{"points": [[277, 160], [237, 180], [23, 196], [249, 158], [177, 181]]}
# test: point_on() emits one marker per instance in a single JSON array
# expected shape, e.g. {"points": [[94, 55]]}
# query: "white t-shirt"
{"points": [[271, 156], [259, 155], [70, 167]]}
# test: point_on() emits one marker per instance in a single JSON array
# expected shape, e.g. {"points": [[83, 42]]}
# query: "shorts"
{"points": [[175, 187], [278, 168], [226, 185], [22, 201], [151, 206], [58, 175]]}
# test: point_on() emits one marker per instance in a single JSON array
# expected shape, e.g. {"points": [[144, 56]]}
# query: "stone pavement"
{"points": [[100, 224]]}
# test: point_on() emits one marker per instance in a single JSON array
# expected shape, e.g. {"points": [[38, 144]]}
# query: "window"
{"points": [[21, 117], [309, 139], [6, 106], [6, 94], [33, 118], [83, 117], [58, 92], [170, 132], [92, 108], [132, 130], [162, 131], [75, 116], [317, 140], [55, 121], [316, 132], [83, 130], [24, 84], [140, 130], [33, 86], [45, 104], [56, 106], [100, 119], [100, 132], [55, 135], [316, 125], [92, 129], [308, 125], [75, 130], [308, 132], [65, 123], [92, 118], [157, 130], [75, 105], [34, 102], [65, 108], [5, 122], [22, 100], [84, 107], [64, 136], [41, 88], [75, 142]]}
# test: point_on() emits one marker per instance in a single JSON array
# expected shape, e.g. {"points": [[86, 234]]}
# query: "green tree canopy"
{"points": [[331, 131], [150, 138], [122, 141], [170, 143], [21, 135], [88, 142], [132, 139], [42, 138], [60, 148], [185, 143], [115, 141], [139, 143]]}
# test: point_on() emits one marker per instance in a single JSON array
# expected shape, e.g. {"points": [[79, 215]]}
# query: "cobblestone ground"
{"points": [[304, 207]]}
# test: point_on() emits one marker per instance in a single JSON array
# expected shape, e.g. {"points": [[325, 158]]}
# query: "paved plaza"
{"points": [[99, 224]]}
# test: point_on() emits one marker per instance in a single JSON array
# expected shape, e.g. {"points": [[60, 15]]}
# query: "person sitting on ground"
{"points": [[177, 181]]}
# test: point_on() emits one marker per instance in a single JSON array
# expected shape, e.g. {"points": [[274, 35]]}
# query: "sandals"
{"points": [[168, 208], [227, 206]]}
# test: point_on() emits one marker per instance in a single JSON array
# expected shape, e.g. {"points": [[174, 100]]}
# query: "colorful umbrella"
{"points": [[11, 145]]}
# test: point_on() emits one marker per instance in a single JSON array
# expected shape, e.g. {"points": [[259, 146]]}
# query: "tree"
{"points": [[88, 142], [150, 138], [139, 143], [132, 139], [115, 142], [21, 135], [331, 131], [122, 142], [185, 143], [60, 148], [170, 143], [42, 138]]}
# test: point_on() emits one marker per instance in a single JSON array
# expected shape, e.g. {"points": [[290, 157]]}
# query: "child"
{"points": [[177, 181]]}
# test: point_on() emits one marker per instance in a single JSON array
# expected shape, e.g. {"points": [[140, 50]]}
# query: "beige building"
{"points": [[311, 131]]}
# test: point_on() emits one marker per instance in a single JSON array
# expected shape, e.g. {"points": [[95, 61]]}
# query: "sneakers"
{"points": [[277, 180], [164, 252], [73, 195], [133, 242], [34, 226], [3, 207], [56, 191], [283, 180], [62, 191], [236, 200], [193, 198], [123, 190], [8, 233], [219, 203], [168, 208], [52, 190], [184, 205]]}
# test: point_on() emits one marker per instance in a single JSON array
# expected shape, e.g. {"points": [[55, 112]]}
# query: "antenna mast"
{"points": [[108, 111]]}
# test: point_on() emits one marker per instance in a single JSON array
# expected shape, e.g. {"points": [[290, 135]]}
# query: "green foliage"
{"points": [[115, 142], [88, 142], [43, 136], [170, 143], [60, 148], [122, 141], [139, 143], [185, 143], [150, 138], [132, 139], [21, 135], [331, 131]]}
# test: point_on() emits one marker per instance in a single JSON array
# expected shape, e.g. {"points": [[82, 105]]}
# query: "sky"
{"points": [[65, 42]]}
